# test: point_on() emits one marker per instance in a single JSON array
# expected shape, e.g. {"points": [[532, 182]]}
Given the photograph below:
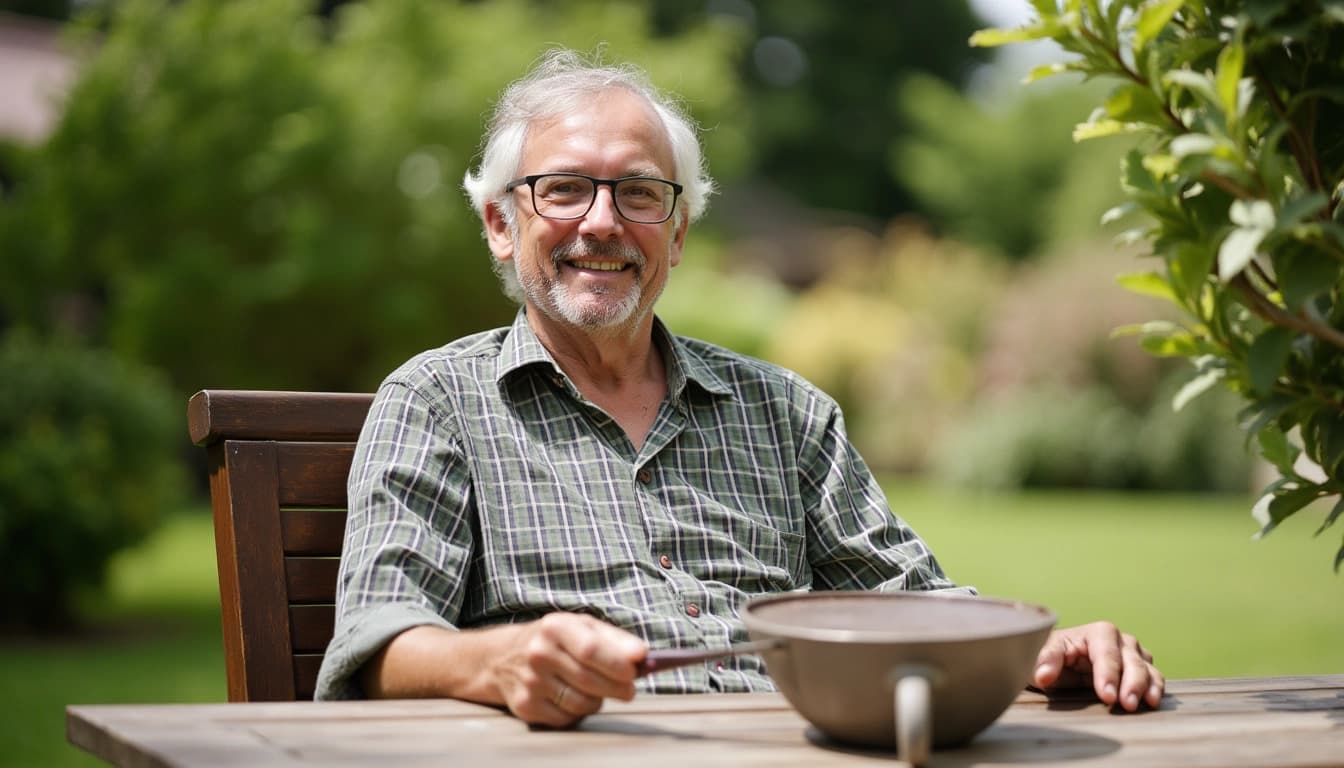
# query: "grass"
{"points": [[153, 636], [1178, 571]]}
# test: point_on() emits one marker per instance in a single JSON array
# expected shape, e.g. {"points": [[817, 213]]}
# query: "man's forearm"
{"points": [[433, 662]]}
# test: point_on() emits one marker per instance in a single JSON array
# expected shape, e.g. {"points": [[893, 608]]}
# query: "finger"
{"points": [[575, 702], [598, 658], [1063, 662], [1136, 677], [1104, 652], [1156, 688], [1050, 661]]}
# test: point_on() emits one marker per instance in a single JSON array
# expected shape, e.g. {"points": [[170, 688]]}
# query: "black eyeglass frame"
{"points": [[531, 180]]}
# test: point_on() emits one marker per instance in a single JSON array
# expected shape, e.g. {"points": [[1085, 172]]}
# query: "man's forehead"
{"points": [[616, 118]]}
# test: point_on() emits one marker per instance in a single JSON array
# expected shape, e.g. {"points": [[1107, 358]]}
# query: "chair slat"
{"points": [[311, 626], [312, 531], [311, 579], [313, 474], [306, 666]]}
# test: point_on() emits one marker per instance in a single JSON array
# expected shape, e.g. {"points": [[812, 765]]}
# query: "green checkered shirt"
{"points": [[485, 489]]}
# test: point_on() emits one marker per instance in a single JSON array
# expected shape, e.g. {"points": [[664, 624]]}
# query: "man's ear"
{"points": [[497, 231], [679, 239]]}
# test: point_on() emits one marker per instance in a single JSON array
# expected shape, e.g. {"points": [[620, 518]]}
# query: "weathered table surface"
{"points": [[1282, 721]]}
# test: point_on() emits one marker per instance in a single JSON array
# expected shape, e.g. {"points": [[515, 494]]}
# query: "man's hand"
{"points": [[554, 671], [1118, 668], [558, 669]]}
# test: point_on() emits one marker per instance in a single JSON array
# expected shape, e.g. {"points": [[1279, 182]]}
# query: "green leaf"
{"points": [[1152, 18], [1163, 327], [1118, 212], [991, 38], [1097, 129], [1197, 386], [1231, 62], [1136, 178], [1282, 504], [1133, 102], [1148, 284], [1043, 71], [1328, 425], [1189, 264], [1198, 84], [1304, 273], [1266, 358], [1192, 144], [1265, 411], [1300, 208], [1278, 450], [1176, 345], [1331, 518]]}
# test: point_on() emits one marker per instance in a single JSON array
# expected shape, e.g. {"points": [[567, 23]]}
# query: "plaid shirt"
{"points": [[485, 489]]}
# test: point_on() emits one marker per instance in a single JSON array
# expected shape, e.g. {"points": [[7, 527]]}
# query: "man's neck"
{"points": [[620, 370]]}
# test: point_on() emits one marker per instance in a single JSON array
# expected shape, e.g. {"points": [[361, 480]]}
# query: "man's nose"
{"points": [[602, 219]]}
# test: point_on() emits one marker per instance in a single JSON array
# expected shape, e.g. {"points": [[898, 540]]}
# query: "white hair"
{"points": [[560, 82]]}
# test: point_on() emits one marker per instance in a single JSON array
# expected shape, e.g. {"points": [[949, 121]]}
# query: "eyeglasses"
{"points": [[566, 196]]}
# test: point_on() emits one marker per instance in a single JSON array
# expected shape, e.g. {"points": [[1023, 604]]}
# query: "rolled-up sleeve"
{"points": [[408, 537]]}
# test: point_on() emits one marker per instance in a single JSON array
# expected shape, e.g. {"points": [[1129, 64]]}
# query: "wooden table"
{"points": [[1286, 721]]}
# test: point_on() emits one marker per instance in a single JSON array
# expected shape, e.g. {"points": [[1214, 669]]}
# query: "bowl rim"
{"points": [[1044, 618]]}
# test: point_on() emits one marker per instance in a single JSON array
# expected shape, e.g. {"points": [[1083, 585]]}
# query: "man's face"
{"points": [[600, 272]]}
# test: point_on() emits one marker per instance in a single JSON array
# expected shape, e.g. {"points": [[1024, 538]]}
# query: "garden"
{"points": [[1101, 375]]}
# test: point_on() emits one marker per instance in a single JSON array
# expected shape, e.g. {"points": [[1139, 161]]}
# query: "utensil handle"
{"points": [[671, 658], [914, 716]]}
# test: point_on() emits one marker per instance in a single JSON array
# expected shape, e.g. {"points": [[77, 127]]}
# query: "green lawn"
{"points": [[1179, 571]]}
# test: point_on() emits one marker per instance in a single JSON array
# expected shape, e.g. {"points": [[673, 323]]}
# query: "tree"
{"points": [[1239, 179], [247, 194]]}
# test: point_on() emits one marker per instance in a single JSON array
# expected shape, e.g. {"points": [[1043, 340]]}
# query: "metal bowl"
{"points": [[846, 656]]}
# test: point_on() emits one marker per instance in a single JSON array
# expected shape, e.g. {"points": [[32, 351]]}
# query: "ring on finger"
{"points": [[560, 697]]}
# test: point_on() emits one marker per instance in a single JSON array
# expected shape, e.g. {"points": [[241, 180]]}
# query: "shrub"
{"points": [[1238, 179], [87, 467], [1061, 403]]}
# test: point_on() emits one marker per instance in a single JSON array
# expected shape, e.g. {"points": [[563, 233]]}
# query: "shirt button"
{"points": [[557, 380], [692, 610], [644, 476], [665, 561]]}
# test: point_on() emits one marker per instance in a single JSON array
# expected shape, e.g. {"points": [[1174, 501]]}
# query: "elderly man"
{"points": [[533, 508]]}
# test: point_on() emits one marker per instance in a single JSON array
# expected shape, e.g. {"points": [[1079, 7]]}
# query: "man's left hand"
{"points": [[1118, 668]]}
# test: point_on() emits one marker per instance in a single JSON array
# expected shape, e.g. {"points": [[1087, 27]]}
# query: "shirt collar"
{"points": [[522, 349]]}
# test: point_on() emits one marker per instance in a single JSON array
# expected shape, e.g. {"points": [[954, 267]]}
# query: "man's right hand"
{"points": [[554, 671]]}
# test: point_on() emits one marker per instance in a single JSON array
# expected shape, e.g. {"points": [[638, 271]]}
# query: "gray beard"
{"points": [[553, 298]]}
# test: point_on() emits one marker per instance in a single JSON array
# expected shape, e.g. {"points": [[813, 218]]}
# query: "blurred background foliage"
{"points": [[266, 194]]}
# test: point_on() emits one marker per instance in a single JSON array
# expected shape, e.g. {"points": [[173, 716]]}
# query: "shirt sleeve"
{"points": [[408, 540], [855, 541]]}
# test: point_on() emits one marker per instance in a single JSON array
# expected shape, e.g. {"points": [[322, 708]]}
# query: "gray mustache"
{"points": [[579, 249]]}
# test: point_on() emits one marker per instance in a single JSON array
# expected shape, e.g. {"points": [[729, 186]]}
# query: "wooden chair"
{"points": [[278, 465]]}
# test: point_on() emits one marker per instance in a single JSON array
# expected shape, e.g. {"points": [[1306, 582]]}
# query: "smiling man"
{"points": [[532, 508]]}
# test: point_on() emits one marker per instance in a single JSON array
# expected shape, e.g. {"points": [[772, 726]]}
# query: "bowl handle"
{"points": [[914, 713]]}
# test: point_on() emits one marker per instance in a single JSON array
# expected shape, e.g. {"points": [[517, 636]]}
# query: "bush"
{"points": [[1088, 438], [86, 469], [891, 333]]}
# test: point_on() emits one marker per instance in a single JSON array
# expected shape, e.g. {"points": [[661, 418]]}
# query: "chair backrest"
{"points": [[278, 466]]}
